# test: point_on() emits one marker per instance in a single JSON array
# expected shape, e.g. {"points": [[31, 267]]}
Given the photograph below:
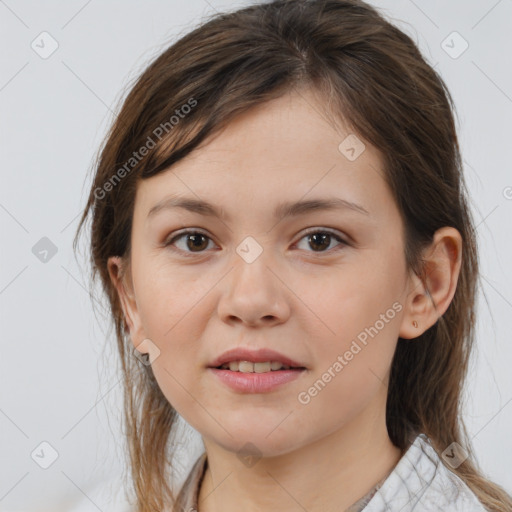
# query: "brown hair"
{"points": [[373, 77]]}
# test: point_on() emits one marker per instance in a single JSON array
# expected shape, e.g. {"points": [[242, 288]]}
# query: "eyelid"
{"points": [[329, 231], [343, 243], [186, 231]]}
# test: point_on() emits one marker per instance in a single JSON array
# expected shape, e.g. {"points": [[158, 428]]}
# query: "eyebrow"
{"points": [[283, 210]]}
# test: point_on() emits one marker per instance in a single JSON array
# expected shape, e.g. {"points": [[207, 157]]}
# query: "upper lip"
{"points": [[255, 356]]}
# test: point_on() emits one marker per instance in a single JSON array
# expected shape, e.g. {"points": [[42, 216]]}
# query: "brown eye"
{"points": [[320, 241], [194, 241]]}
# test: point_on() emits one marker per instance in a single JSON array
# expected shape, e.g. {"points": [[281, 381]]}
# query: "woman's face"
{"points": [[322, 286]]}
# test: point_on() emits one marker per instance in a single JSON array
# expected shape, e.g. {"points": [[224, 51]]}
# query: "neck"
{"points": [[328, 475]]}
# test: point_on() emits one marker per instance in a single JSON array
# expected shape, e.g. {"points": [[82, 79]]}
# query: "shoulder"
{"points": [[421, 482]]}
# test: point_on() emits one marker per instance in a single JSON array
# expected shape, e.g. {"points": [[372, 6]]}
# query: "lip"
{"points": [[256, 382], [254, 356]]}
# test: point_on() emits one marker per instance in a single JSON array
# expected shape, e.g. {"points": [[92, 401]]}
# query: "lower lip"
{"points": [[256, 382]]}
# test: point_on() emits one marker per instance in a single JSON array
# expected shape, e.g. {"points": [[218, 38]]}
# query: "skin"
{"points": [[306, 300]]}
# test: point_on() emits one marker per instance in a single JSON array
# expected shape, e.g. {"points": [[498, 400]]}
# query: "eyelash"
{"points": [[170, 242]]}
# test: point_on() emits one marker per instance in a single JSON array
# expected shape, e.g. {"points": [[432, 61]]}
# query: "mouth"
{"points": [[248, 377], [259, 367], [249, 360]]}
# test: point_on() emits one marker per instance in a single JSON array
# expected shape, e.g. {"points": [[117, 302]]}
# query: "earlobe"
{"points": [[413, 324], [430, 296]]}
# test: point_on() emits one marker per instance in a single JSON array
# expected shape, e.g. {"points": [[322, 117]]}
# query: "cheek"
{"points": [[176, 311], [178, 366], [351, 365], [357, 317], [336, 397], [173, 318], [345, 303], [169, 300]]}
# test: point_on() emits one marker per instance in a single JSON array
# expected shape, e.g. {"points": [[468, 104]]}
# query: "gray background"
{"points": [[58, 383]]}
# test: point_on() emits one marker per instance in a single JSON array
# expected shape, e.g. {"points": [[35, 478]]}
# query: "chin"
{"points": [[256, 443]]}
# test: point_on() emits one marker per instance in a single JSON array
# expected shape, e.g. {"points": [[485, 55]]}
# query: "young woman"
{"points": [[280, 224]]}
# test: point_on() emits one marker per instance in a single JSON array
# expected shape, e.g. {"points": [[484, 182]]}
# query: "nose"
{"points": [[253, 294]]}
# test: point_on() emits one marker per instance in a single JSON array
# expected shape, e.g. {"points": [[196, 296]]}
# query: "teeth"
{"points": [[249, 367]]}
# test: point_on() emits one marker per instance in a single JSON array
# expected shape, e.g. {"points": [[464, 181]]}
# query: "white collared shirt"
{"points": [[420, 482]]}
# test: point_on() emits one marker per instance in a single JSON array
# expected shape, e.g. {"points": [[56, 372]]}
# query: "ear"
{"points": [[120, 275], [429, 298]]}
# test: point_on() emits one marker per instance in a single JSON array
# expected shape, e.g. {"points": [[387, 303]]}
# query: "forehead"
{"points": [[284, 149]]}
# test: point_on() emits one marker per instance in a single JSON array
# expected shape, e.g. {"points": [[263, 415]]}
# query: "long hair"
{"points": [[373, 77]]}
